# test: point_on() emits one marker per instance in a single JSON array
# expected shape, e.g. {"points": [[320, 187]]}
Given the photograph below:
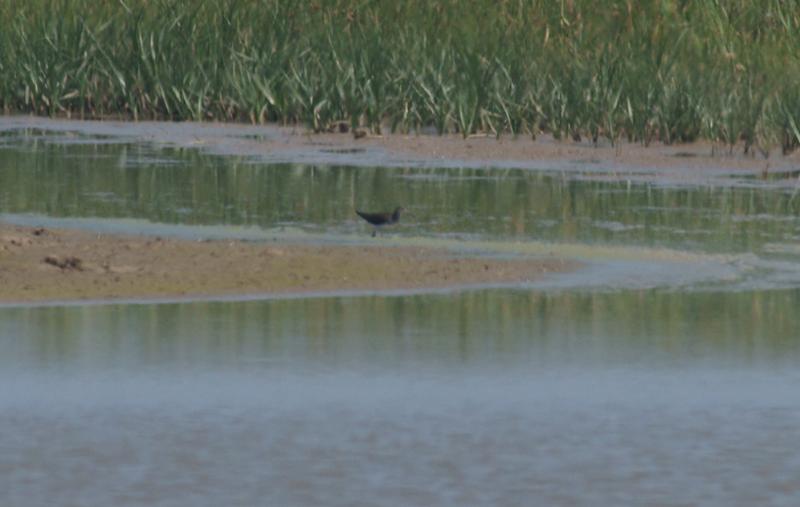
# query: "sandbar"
{"points": [[44, 264]]}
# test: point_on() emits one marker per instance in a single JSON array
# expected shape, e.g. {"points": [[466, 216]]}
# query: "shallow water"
{"points": [[665, 373], [57, 175]]}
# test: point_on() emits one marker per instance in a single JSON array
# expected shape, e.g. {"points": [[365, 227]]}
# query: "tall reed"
{"points": [[668, 70]]}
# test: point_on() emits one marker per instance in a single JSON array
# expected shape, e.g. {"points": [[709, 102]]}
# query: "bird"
{"points": [[381, 218]]}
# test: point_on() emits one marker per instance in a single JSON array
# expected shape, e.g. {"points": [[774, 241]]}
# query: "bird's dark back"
{"points": [[374, 218], [381, 218]]}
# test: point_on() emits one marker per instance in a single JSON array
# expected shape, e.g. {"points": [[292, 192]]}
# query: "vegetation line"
{"points": [[669, 70]]}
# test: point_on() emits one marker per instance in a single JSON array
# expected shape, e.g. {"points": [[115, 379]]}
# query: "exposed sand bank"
{"points": [[38, 265]]}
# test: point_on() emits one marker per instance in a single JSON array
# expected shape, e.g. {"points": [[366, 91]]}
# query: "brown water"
{"points": [[663, 374]]}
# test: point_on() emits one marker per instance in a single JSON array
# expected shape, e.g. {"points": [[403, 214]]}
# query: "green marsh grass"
{"points": [[727, 71]]}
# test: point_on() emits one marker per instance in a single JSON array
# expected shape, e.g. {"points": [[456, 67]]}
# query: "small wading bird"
{"points": [[381, 219]]}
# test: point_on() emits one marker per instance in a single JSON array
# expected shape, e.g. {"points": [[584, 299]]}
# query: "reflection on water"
{"points": [[484, 398], [41, 174], [681, 395], [508, 329]]}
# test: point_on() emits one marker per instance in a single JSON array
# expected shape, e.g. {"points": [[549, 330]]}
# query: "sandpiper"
{"points": [[382, 218]]}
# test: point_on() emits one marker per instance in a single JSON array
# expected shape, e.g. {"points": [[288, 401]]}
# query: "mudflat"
{"points": [[692, 163], [40, 265]]}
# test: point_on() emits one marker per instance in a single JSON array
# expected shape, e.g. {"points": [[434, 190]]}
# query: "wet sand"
{"points": [[40, 265], [696, 163]]}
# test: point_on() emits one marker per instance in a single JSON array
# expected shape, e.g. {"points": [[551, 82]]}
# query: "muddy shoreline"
{"points": [[59, 264], [44, 264], [696, 163]]}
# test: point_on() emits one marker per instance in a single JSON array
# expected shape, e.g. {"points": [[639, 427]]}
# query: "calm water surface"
{"points": [[596, 395]]}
